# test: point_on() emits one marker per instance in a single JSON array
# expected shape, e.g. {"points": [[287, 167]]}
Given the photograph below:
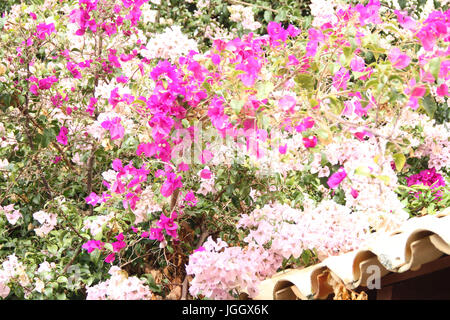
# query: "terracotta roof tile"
{"points": [[418, 241]]}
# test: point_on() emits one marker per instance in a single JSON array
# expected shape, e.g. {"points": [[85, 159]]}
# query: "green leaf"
{"points": [[263, 89], [53, 249], [322, 134], [336, 105], [109, 246], [434, 66], [305, 80], [61, 296], [268, 16], [385, 179], [400, 160], [347, 56], [429, 105], [363, 171], [313, 103], [237, 105]]}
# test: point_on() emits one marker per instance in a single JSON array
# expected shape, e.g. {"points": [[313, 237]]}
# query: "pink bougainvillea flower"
{"points": [[215, 58], [357, 64], [369, 13], [47, 83], [116, 130], [206, 156], [413, 103], [161, 126], [62, 136], [442, 90], [341, 78], [93, 199], [117, 165], [34, 89], [310, 142], [251, 66], [91, 107], [110, 258], [171, 184], [336, 178], [398, 59], [183, 167], [122, 79], [428, 177], [33, 15], [293, 31], [426, 76], [305, 124], [91, 245], [360, 135], [120, 237], [73, 70], [293, 61], [287, 103], [156, 234], [190, 198], [56, 159], [118, 245], [354, 193], [406, 21], [205, 174], [114, 97], [415, 90], [168, 224], [282, 149], [216, 113], [44, 29], [12, 215], [277, 33]]}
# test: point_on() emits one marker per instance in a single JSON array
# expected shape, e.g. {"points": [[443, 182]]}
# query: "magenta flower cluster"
{"points": [[428, 177]]}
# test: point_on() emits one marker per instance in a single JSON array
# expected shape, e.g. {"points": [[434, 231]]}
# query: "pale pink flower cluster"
{"points": [[372, 192], [11, 214], [436, 145], [323, 11], [47, 221], [96, 223], [214, 31], [206, 185], [46, 267], [244, 15], [277, 231], [272, 160], [12, 270], [119, 287], [170, 44], [146, 205], [148, 14], [328, 227], [221, 271], [6, 138]]}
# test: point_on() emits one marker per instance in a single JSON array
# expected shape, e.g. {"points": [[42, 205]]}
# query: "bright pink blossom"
{"points": [[62, 136], [116, 130], [442, 90], [398, 59], [336, 178], [341, 78], [310, 142]]}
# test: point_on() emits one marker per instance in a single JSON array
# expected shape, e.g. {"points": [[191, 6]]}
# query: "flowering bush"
{"points": [[121, 155]]}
